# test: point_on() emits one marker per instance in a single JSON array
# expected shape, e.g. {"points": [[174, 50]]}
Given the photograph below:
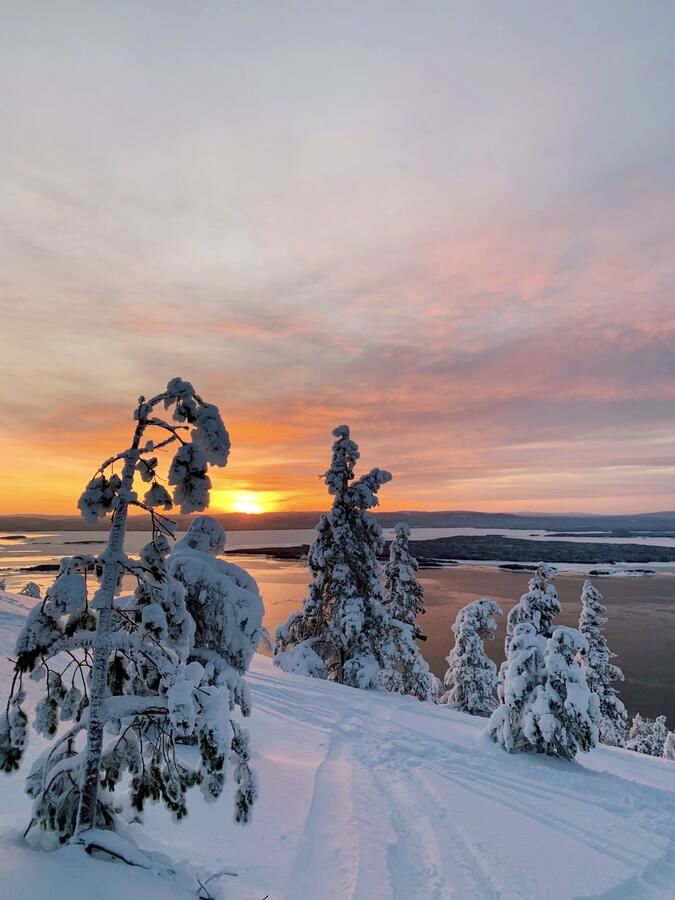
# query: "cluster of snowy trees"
{"points": [[554, 693], [135, 673], [545, 705], [353, 628]]}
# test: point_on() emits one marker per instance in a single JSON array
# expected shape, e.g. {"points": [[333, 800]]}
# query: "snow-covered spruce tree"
{"points": [[658, 736], [521, 675], [343, 632], [639, 735], [31, 590], [118, 667], [403, 594], [408, 672], [471, 678], [567, 698], [403, 669], [3, 584], [600, 672], [547, 706], [539, 605], [669, 746]]}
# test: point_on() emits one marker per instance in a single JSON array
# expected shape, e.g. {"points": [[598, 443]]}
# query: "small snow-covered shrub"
{"points": [[302, 660], [31, 590]]}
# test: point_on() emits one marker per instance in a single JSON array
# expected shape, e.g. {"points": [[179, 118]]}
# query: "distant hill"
{"points": [[659, 523]]}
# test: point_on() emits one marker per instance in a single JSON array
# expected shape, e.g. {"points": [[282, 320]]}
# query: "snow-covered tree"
{"points": [[119, 666], [407, 672], [647, 736], [343, 632], [31, 590], [659, 736], [523, 672], [3, 584], [223, 600], [600, 672], [547, 706], [403, 594], [403, 668], [539, 605], [471, 678], [575, 708], [227, 609], [639, 735], [669, 746]]}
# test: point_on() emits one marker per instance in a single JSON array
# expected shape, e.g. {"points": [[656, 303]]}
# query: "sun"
{"points": [[251, 503], [246, 502]]}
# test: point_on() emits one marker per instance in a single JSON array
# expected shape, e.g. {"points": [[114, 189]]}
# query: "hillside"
{"points": [[376, 796]]}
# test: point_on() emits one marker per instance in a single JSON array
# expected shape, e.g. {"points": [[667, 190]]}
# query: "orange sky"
{"points": [[451, 227]]}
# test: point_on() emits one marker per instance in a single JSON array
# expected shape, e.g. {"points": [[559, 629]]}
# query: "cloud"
{"points": [[453, 230]]}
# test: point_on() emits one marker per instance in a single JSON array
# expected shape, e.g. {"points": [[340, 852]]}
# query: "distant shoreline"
{"points": [[654, 524], [510, 554]]}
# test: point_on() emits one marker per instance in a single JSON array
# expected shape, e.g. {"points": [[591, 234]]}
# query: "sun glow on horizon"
{"points": [[251, 503]]}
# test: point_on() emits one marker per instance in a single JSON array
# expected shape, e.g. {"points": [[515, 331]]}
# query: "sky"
{"points": [[450, 225]]}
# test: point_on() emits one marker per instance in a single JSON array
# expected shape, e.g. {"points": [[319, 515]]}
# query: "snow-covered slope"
{"points": [[376, 796]]}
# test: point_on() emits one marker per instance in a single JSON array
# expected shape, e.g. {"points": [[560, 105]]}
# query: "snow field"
{"points": [[375, 796]]}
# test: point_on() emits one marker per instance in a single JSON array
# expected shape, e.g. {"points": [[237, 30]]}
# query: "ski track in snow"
{"points": [[368, 796], [402, 774]]}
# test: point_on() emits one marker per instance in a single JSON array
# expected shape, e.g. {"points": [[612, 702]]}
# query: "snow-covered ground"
{"points": [[375, 796]]}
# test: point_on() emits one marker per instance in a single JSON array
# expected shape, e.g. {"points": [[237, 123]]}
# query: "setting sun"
{"points": [[250, 502], [246, 502]]}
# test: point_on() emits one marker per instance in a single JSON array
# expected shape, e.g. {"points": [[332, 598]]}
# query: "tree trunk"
{"points": [[89, 784]]}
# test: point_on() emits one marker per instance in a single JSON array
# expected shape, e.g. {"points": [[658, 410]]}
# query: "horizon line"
{"points": [[427, 512]]}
